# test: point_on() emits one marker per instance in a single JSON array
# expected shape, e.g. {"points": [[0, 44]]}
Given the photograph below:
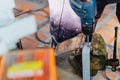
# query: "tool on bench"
{"points": [[85, 9]]}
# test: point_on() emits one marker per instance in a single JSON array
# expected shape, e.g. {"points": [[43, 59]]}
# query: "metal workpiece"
{"points": [[86, 62]]}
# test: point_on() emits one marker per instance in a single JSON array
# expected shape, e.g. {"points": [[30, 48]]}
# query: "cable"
{"points": [[60, 19], [32, 12], [104, 74], [36, 35]]}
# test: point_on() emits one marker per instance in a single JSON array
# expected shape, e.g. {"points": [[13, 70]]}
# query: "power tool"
{"points": [[86, 10]]}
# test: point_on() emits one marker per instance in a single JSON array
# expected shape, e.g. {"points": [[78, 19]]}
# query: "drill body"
{"points": [[86, 10]]}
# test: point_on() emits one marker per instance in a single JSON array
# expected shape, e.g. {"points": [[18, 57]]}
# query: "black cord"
{"points": [[60, 20], [31, 12], [28, 12], [36, 35], [104, 74]]}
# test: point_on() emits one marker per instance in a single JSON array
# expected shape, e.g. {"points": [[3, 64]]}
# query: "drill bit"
{"points": [[87, 36]]}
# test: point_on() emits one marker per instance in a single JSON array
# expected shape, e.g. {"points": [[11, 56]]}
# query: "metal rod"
{"points": [[86, 61], [115, 43], [88, 40]]}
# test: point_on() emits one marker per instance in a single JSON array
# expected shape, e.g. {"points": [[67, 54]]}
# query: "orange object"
{"points": [[118, 44], [33, 64]]}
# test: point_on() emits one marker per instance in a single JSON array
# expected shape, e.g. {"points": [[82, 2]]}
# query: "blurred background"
{"points": [[40, 9]]}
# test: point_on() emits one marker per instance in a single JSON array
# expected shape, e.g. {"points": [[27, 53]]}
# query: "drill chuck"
{"points": [[87, 29]]}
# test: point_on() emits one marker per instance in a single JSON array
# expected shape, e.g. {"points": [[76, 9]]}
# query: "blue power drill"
{"points": [[86, 10]]}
